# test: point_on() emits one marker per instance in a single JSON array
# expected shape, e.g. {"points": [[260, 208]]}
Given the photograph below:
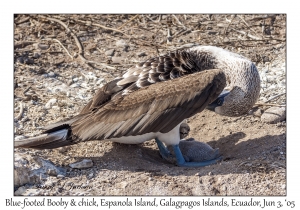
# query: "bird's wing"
{"points": [[103, 95], [155, 108], [166, 67]]}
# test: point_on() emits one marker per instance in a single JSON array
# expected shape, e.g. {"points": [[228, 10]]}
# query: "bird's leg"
{"points": [[181, 161], [164, 152]]}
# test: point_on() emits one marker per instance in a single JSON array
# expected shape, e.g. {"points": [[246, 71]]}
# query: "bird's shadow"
{"points": [[142, 158]]}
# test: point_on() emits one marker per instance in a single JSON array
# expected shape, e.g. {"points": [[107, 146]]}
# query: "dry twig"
{"points": [[77, 43], [267, 104], [88, 23], [247, 34], [274, 97], [239, 16], [128, 21], [178, 21], [62, 47], [19, 116]]}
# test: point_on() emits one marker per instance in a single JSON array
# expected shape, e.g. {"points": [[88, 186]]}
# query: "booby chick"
{"points": [[195, 151], [152, 99]]}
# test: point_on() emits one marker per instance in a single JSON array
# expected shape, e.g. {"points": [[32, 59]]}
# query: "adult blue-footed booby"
{"points": [[151, 100]]}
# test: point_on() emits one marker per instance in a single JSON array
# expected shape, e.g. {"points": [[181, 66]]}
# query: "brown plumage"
{"points": [[154, 97]]}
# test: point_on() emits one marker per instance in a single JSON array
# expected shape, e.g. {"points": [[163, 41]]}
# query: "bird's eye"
{"points": [[219, 102]]}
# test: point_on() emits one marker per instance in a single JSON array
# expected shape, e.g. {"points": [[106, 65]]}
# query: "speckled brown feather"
{"points": [[155, 108]]}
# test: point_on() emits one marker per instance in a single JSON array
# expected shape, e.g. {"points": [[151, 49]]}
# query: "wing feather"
{"points": [[155, 108]]}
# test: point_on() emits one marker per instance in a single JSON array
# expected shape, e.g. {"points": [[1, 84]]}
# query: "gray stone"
{"points": [[274, 115], [141, 54], [117, 59], [43, 46], [33, 169], [51, 74], [52, 172], [28, 61], [50, 103], [121, 43], [85, 163], [36, 54], [20, 191], [255, 112], [110, 52], [60, 176], [17, 138]]}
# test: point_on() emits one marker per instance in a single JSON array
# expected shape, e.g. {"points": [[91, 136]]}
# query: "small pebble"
{"points": [[110, 52], [60, 176], [50, 103], [51, 74], [51, 172], [28, 61], [141, 54], [274, 115], [17, 138], [85, 163], [117, 59], [121, 43], [257, 113], [63, 149], [20, 191], [36, 54], [43, 46]]}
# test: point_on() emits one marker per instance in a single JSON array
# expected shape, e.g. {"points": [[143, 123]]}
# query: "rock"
{"points": [[85, 163], [32, 169], [121, 43], [117, 59], [20, 191], [255, 112], [274, 115], [59, 61], [43, 46], [141, 54], [17, 138], [122, 185], [36, 54], [60, 176], [63, 149], [110, 52], [50, 103], [51, 74], [28, 61]]}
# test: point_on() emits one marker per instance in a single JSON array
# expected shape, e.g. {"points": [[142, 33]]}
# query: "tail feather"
{"points": [[46, 141]]}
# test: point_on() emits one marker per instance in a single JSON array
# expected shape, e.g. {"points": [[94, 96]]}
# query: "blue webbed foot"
{"points": [[164, 152], [181, 161]]}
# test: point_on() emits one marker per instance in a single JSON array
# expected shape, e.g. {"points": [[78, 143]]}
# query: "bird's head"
{"points": [[239, 99]]}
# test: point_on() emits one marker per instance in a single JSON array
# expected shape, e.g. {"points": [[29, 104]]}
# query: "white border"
{"points": [[154, 6]]}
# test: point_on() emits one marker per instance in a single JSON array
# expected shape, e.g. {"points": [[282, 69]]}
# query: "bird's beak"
{"points": [[218, 102]]}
